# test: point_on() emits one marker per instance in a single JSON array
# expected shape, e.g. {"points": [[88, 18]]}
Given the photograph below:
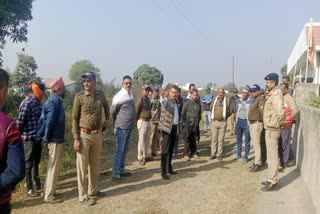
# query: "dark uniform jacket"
{"points": [[143, 107], [256, 110]]}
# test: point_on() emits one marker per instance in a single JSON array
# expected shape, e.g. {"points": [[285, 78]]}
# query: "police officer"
{"points": [[273, 118], [143, 107], [255, 117], [87, 133], [155, 117]]}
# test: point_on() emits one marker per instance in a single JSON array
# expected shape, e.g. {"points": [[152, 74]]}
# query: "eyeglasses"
{"points": [[128, 83]]}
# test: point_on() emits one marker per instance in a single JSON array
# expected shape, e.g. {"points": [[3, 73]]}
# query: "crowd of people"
{"points": [[163, 117]]}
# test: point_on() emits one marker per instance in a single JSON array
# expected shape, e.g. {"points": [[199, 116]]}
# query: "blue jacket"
{"points": [[51, 125]]}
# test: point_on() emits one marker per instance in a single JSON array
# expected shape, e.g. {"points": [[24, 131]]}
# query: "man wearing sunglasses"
{"points": [[87, 133]]}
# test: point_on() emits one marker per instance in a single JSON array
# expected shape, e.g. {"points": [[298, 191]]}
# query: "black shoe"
{"points": [[100, 194], [172, 172], [266, 183], [254, 168], [116, 178], [165, 177], [212, 157], [126, 174], [270, 187]]}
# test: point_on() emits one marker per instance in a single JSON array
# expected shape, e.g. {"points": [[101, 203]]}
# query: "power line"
{"points": [[183, 12]]}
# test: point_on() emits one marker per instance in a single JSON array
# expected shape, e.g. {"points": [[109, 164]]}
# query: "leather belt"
{"points": [[219, 120], [255, 121], [89, 131], [145, 120]]}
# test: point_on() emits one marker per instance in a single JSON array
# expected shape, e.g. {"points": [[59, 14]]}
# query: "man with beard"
{"points": [[27, 121], [50, 130]]}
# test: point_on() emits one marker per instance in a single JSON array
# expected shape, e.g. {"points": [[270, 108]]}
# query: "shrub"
{"points": [[313, 100]]}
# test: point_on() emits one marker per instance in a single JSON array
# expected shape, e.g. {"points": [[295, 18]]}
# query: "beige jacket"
{"points": [[289, 101], [274, 114]]}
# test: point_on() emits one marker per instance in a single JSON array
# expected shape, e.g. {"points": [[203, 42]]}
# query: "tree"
{"points": [[283, 70], [230, 86], [148, 75], [82, 66], [13, 21], [25, 70], [209, 85], [212, 85]]}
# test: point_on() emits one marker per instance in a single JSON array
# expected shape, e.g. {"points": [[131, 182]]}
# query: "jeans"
{"points": [[242, 128], [122, 146], [207, 119]]}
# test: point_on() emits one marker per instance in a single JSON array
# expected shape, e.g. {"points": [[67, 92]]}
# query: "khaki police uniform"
{"points": [[273, 119], [87, 122], [255, 117], [143, 107], [155, 117]]}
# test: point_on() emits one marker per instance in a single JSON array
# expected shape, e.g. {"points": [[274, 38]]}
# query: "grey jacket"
{"points": [[123, 111]]}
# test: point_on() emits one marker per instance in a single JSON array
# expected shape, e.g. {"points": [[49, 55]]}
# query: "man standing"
{"points": [[255, 117], [189, 95], [291, 111], [29, 114], [286, 79], [221, 109], [234, 100], [168, 126], [273, 119], [155, 117], [50, 130], [12, 160], [179, 101], [206, 109], [87, 133], [123, 114], [191, 115], [143, 117], [242, 125]]}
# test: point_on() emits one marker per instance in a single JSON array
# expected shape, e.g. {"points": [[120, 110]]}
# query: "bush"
{"points": [[12, 104], [314, 100]]}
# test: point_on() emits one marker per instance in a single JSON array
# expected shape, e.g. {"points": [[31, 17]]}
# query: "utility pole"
{"points": [[233, 73]]}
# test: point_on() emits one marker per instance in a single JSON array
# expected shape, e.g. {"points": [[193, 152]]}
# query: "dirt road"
{"points": [[202, 186]]}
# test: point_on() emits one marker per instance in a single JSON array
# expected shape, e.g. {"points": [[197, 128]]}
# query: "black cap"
{"points": [[272, 76]]}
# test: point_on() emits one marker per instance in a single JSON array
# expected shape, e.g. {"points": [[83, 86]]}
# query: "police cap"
{"points": [[272, 76]]}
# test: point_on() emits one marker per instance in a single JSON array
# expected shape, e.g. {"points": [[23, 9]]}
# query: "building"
{"points": [[298, 64]]}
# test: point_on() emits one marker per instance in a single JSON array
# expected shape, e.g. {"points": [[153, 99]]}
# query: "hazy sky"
{"points": [[188, 40]]}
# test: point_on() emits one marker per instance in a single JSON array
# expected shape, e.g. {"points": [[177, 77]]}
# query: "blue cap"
{"points": [[255, 87], [272, 76], [90, 75]]}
